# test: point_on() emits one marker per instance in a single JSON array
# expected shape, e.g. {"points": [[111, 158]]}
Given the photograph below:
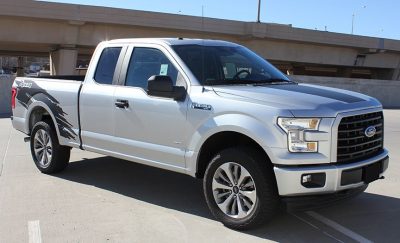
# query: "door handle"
{"points": [[122, 104]]}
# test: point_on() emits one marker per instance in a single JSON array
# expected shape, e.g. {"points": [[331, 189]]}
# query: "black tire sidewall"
{"points": [[59, 157], [264, 180]]}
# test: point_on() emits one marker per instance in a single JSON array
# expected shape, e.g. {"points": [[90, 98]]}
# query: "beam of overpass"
{"points": [[81, 14], [44, 27]]}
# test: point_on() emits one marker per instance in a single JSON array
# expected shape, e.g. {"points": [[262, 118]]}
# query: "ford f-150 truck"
{"points": [[213, 110]]}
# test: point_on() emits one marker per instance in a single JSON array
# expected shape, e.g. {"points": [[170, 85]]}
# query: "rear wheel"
{"points": [[48, 155], [240, 188]]}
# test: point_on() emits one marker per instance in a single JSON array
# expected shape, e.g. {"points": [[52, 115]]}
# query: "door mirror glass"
{"points": [[162, 86]]}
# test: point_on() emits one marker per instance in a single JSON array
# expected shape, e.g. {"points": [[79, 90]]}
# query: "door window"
{"points": [[146, 62], [106, 65]]}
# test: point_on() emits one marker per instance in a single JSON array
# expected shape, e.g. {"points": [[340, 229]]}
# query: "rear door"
{"points": [[150, 130], [97, 100]]}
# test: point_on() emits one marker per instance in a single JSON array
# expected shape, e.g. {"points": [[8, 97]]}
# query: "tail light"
{"points": [[13, 96]]}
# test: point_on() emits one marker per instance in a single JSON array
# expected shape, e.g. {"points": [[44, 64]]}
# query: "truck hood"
{"points": [[302, 100]]}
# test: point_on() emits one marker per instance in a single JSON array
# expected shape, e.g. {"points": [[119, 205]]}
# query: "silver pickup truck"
{"points": [[213, 110]]}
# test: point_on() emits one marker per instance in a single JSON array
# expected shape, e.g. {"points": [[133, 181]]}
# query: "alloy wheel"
{"points": [[234, 190], [43, 148]]}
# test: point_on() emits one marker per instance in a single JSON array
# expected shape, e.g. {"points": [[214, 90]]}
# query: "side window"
{"points": [[146, 62], [106, 65]]}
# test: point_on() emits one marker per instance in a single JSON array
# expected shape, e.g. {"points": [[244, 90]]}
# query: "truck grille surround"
{"points": [[353, 143]]}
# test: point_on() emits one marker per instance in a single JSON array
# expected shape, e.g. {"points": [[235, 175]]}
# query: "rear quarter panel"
{"points": [[58, 97]]}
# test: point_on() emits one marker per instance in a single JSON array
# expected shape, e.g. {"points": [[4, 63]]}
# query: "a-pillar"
{"points": [[63, 61]]}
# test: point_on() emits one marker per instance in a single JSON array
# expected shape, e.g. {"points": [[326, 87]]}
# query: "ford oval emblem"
{"points": [[370, 131]]}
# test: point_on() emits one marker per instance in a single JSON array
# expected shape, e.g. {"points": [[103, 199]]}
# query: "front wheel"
{"points": [[48, 155], [240, 188]]}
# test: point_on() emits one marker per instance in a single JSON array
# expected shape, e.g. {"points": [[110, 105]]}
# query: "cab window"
{"points": [[107, 64], [146, 62]]}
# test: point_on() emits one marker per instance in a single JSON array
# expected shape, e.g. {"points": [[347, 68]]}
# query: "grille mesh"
{"points": [[353, 144]]}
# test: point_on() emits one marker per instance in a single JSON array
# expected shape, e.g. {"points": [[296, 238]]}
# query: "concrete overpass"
{"points": [[66, 31]]}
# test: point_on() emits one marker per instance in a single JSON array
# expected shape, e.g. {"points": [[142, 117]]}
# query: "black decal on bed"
{"points": [[27, 89]]}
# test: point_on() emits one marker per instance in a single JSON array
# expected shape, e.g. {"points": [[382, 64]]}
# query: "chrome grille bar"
{"points": [[353, 145]]}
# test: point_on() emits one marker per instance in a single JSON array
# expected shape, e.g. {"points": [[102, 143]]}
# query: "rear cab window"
{"points": [[106, 65]]}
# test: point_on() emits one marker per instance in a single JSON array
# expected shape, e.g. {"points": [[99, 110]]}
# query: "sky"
{"points": [[378, 18]]}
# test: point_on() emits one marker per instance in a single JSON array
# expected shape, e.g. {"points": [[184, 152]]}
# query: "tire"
{"points": [[55, 157], [258, 185]]}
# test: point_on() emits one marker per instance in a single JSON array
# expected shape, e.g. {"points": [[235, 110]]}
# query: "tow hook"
{"points": [[27, 139]]}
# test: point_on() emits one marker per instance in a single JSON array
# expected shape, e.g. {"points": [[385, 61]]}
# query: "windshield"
{"points": [[228, 65]]}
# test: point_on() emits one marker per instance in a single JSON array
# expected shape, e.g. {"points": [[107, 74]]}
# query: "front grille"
{"points": [[353, 144]]}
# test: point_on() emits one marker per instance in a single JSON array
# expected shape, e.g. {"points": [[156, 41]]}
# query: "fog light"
{"points": [[306, 178], [313, 180]]}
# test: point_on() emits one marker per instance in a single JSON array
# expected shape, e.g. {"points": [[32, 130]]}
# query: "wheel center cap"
{"points": [[235, 189]]}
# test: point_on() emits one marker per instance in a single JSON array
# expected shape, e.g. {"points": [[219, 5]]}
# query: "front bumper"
{"points": [[289, 178]]}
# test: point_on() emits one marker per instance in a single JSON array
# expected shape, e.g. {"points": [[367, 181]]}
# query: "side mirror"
{"points": [[161, 86]]}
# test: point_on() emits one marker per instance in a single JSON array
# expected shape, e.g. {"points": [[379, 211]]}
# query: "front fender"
{"points": [[257, 130]]}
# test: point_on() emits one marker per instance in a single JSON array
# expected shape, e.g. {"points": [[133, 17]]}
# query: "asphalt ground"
{"points": [[102, 199]]}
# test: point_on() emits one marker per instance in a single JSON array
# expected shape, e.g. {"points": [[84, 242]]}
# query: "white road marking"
{"points": [[34, 232], [305, 221], [353, 235], [316, 227], [5, 153]]}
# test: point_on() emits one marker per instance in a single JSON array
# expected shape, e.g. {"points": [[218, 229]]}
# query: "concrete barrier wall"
{"points": [[386, 91], [5, 93]]}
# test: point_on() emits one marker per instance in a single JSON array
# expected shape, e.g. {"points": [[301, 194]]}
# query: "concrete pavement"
{"points": [[102, 199]]}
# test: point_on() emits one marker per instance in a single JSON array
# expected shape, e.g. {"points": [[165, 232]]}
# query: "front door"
{"points": [[149, 129]]}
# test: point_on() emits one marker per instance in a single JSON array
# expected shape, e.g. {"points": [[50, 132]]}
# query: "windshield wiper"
{"points": [[248, 81], [230, 82], [273, 81]]}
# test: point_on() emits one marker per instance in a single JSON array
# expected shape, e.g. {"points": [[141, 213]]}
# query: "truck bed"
{"points": [[59, 94]]}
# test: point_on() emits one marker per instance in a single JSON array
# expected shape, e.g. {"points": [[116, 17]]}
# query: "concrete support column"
{"points": [[63, 61], [396, 72], [20, 68]]}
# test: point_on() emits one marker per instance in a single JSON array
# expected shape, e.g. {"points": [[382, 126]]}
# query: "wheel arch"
{"points": [[222, 140], [39, 111], [230, 127]]}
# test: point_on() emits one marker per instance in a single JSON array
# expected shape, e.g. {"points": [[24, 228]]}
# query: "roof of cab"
{"points": [[175, 41]]}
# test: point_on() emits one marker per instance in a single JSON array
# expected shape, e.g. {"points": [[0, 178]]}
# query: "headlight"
{"points": [[295, 127]]}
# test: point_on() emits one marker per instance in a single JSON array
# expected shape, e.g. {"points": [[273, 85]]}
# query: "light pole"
{"points": [[259, 8], [352, 20]]}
